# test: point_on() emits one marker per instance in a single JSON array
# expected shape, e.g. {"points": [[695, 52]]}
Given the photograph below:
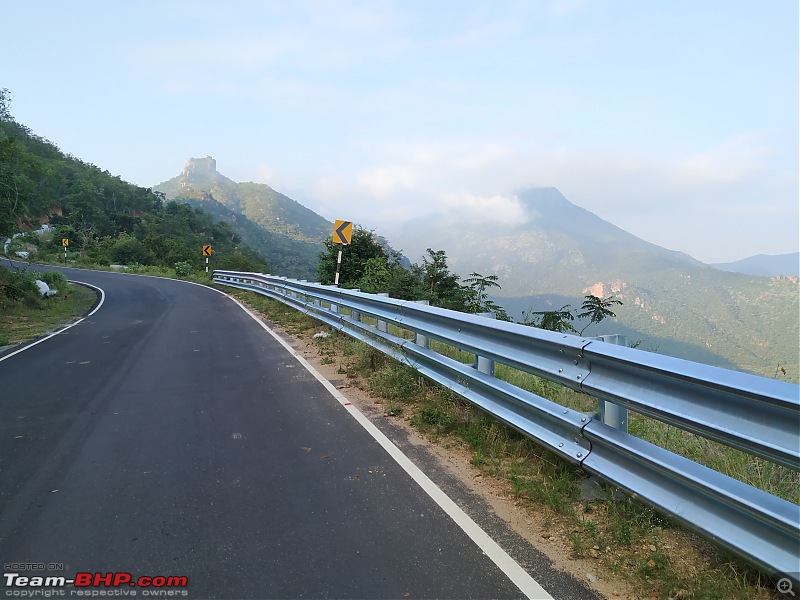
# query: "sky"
{"points": [[676, 120]]}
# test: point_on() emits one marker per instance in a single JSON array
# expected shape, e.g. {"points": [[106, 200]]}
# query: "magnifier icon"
{"points": [[785, 586]]}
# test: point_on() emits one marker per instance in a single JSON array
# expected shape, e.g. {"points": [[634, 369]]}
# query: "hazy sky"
{"points": [[675, 119]]}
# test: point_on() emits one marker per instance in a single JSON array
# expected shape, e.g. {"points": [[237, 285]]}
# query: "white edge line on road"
{"points": [[63, 329], [527, 584]]}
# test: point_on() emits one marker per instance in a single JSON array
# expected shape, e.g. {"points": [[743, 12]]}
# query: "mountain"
{"points": [[556, 246], [765, 265], [557, 252], [285, 233]]}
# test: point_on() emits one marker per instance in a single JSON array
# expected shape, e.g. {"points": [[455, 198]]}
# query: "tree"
{"points": [[5, 103], [128, 250], [477, 300], [376, 275], [439, 286], [596, 309], [554, 320], [355, 256], [15, 187]]}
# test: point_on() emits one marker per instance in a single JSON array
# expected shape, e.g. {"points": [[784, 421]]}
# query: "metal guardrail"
{"points": [[757, 415]]}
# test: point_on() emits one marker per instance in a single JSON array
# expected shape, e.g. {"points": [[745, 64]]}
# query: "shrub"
{"points": [[183, 269], [54, 279], [18, 285]]}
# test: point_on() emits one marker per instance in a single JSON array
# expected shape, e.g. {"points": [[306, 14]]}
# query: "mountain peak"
{"points": [[200, 166]]}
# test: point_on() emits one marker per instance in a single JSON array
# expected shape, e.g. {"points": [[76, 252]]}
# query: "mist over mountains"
{"points": [[551, 254], [554, 247], [556, 252]]}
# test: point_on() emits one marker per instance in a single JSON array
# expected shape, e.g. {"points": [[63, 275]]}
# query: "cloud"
{"points": [[507, 210], [732, 161], [682, 201], [382, 182]]}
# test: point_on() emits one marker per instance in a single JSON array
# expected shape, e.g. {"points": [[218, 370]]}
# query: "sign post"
{"points": [[207, 253], [65, 243], [342, 235]]}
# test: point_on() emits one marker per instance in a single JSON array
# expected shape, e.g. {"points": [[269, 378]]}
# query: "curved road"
{"points": [[168, 434]]}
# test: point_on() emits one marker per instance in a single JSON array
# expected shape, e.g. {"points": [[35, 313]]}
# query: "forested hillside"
{"points": [[285, 233], [105, 219]]}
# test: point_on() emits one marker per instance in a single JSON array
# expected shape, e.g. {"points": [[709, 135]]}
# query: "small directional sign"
{"points": [[342, 232], [207, 250], [64, 242]]}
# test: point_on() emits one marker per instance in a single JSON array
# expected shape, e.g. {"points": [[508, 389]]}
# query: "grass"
{"points": [[622, 537], [24, 321]]}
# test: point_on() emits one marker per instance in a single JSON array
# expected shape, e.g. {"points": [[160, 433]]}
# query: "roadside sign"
{"points": [[64, 242], [342, 232], [207, 250]]}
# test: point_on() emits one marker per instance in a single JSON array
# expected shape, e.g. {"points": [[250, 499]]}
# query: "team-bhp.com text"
{"points": [[95, 585]]}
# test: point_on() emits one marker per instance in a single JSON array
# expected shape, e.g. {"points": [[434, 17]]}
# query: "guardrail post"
{"points": [[611, 414], [381, 325], [422, 340], [483, 364], [354, 314]]}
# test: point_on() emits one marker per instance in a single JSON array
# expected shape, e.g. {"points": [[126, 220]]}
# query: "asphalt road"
{"points": [[169, 435]]}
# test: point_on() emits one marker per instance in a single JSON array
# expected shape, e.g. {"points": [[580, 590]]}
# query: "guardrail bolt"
{"points": [[579, 454]]}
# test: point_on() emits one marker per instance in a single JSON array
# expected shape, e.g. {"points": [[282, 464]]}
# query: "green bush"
{"points": [[183, 269], [18, 285], [54, 279], [127, 249]]}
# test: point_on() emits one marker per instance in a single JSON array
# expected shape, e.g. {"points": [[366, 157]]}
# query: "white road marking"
{"points": [[63, 329]]}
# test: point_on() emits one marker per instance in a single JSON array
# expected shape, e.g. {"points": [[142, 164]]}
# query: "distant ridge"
{"points": [[765, 265]]}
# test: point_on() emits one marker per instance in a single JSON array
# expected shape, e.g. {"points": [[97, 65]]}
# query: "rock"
{"points": [[202, 166], [44, 289]]}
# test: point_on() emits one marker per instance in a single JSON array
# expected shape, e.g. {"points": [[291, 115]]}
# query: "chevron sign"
{"points": [[342, 232]]}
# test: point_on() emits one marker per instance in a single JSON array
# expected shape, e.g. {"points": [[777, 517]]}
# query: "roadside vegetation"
{"points": [[620, 537], [25, 314]]}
